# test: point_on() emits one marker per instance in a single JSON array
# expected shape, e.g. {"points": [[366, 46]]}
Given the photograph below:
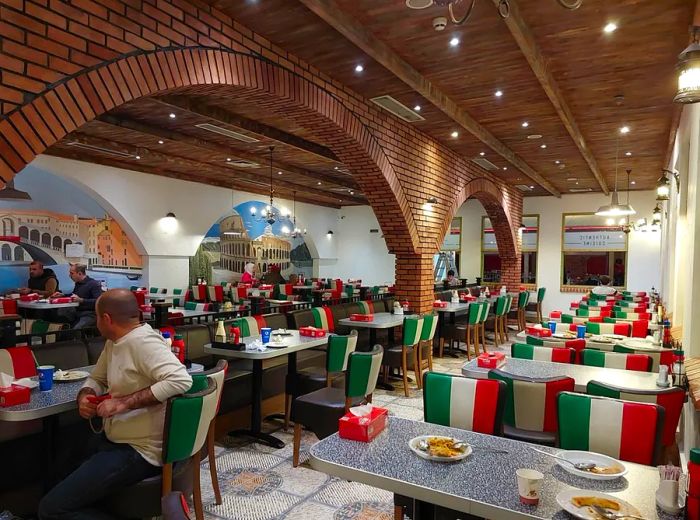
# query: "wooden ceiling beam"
{"points": [[528, 46], [236, 174], [358, 34], [170, 135], [229, 118]]}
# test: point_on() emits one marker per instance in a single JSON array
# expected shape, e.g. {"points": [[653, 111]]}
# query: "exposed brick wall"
{"points": [[65, 62]]}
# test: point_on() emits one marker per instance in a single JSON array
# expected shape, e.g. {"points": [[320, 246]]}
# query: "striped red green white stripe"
{"points": [[194, 306], [599, 358], [619, 429], [215, 293], [622, 329], [323, 318], [199, 292], [460, 402], [542, 353], [338, 352], [363, 371], [366, 307], [250, 325], [17, 362]]}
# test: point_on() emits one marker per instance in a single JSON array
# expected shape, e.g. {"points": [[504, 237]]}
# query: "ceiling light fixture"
{"points": [[454, 134], [625, 130], [359, 68], [498, 93], [160, 141], [505, 168], [525, 124], [171, 115], [279, 173], [416, 108], [688, 68], [610, 28], [543, 146], [268, 214], [454, 42], [557, 161], [628, 154], [482, 153], [663, 187], [318, 183], [656, 215], [137, 157]]}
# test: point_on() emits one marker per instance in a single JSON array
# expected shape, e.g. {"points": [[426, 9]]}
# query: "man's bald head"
{"points": [[120, 305]]}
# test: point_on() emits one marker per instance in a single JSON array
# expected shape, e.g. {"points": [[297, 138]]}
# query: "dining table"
{"points": [[582, 374], [483, 485], [291, 343]]}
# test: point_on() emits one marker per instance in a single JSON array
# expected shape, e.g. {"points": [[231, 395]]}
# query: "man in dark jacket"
{"points": [[41, 281], [85, 292]]}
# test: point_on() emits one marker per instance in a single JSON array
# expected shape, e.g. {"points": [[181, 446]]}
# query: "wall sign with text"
{"points": [[594, 238]]}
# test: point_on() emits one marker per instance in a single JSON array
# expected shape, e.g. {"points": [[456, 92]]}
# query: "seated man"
{"points": [[85, 292], [605, 286], [41, 281], [140, 373], [451, 281]]}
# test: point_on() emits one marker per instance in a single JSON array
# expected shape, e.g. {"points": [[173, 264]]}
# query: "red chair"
{"points": [[18, 362]]}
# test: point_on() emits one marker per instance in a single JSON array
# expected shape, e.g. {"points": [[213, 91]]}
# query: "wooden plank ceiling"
{"points": [[569, 100]]}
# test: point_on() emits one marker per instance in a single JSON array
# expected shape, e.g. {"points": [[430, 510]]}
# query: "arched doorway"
{"points": [[34, 236], [19, 254], [23, 232], [46, 240], [8, 226], [6, 252], [56, 242]]}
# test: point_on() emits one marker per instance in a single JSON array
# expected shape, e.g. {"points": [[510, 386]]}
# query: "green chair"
{"points": [[396, 356], [500, 311], [425, 348], [485, 308], [180, 300], [543, 353], [473, 326], [519, 313], [536, 306], [321, 410], [314, 378]]}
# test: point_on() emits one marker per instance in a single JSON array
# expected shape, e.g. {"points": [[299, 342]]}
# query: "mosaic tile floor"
{"points": [[259, 483]]}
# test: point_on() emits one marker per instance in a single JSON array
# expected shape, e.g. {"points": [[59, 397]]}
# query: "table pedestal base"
{"points": [[265, 438]]}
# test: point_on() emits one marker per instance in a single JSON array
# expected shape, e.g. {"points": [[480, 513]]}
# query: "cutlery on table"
{"points": [[610, 515], [581, 466]]}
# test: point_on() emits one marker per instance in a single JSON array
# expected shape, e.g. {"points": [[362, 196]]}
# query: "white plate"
{"points": [[561, 335], [69, 376], [413, 444], [600, 338], [586, 513], [616, 337], [589, 456]]}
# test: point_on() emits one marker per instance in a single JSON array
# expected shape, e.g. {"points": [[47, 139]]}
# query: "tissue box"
{"points": [[29, 297], [491, 360], [555, 314], [365, 428], [312, 332], [65, 299], [440, 305], [361, 317], [540, 332], [13, 395]]}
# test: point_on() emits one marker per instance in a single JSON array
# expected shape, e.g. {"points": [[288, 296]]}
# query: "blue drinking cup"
{"points": [[265, 334], [553, 326], [580, 331], [45, 377]]}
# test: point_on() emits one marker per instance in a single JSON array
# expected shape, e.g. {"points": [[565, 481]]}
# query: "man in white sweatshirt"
{"points": [[140, 374]]}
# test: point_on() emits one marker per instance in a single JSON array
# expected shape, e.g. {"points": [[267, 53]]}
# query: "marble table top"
{"points": [[293, 343], [382, 320], [38, 305], [483, 484]]}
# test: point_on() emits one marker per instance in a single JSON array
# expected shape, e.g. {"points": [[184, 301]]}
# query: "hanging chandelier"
{"points": [[268, 214], [296, 232]]}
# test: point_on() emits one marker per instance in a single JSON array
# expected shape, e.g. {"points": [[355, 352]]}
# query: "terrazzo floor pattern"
{"points": [[259, 483]]}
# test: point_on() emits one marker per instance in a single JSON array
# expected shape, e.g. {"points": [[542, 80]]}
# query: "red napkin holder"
{"points": [[361, 317], [555, 314], [29, 297], [539, 332], [65, 299], [491, 360], [13, 395], [440, 305], [363, 429], [312, 332]]}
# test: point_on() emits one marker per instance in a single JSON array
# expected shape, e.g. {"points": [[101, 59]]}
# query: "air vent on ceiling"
{"points": [[400, 110], [99, 149], [580, 190], [485, 164], [523, 187], [242, 163], [228, 133]]}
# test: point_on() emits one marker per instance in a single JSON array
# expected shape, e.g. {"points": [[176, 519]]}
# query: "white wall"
{"points": [[139, 201], [643, 257]]}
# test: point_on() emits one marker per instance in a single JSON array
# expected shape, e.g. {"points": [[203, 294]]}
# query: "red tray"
{"points": [[361, 317], [539, 332], [363, 429]]}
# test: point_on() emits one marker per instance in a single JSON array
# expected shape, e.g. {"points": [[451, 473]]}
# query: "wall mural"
{"points": [[60, 225], [243, 236]]}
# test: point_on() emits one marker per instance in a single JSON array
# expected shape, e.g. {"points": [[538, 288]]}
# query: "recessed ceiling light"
{"points": [[228, 159], [532, 187], [454, 42], [625, 130], [416, 108], [498, 93], [543, 146], [610, 28], [482, 153], [138, 156], [335, 167], [172, 115], [577, 183], [352, 193], [505, 167], [534, 136], [633, 183], [319, 183], [557, 161], [359, 68], [160, 141], [628, 154], [525, 124], [455, 134], [279, 173]]}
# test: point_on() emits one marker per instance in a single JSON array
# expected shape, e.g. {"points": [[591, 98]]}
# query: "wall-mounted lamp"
{"points": [[656, 215], [429, 203], [169, 222], [330, 233], [689, 71], [663, 187]]}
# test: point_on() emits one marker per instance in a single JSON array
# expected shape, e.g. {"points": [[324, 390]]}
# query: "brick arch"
{"points": [[80, 98]]}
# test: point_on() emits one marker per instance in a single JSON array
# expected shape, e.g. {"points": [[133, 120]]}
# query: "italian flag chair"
{"points": [[283, 291], [600, 297], [523, 298], [670, 399], [310, 379], [485, 308], [199, 293], [531, 412], [536, 306], [622, 329], [250, 325], [8, 307], [634, 293], [500, 311], [41, 328], [665, 357], [556, 355], [577, 344], [187, 421], [320, 411], [194, 306], [215, 293], [179, 299], [633, 315], [154, 290], [603, 359], [424, 352], [630, 304], [323, 318], [639, 329], [366, 307], [472, 327], [397, 355], [18, 362], [624, 430], [593, 312]]}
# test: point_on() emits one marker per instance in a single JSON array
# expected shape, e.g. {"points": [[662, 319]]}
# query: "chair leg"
{"points": [[430, 357], [483, 337], [417, 366], [476, 340], [442, 345], [197, 488], [167, 480], [404, 370], [212, 462], [297, 444], [467, 341], [287, 410]]}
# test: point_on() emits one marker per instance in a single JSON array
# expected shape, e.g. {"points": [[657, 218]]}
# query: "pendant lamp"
{"points": [[615, 209]]}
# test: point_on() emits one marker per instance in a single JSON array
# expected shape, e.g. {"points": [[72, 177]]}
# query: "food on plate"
{"points": [[605, 503], [607, 470], [445, 447]]}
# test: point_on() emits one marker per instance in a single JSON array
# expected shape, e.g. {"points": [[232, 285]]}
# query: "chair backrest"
{"points": [[470, 404], [250, 325], [670, 399], [366, 307], [412, 329], [556, 355], [339, 350], [665, 357], [363, 371], [474, 316], [540, 294], [215, 293], [623, 329], [154, 290], [17, 362], [523, 298], [218, 374], [430, 322], [531, 403], [485, 308], [501, 306], [187, 419], [199, 292], [509, 305], [178, 302], [323, 318], [621, 429], [600, 358]]}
